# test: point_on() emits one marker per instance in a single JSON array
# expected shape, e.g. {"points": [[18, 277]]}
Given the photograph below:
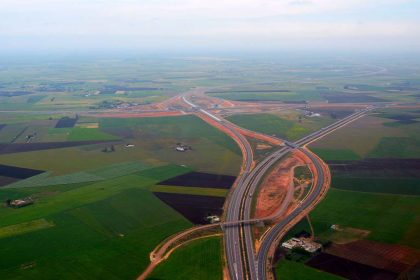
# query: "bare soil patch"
{"points": [[4, 180], [193, 207], [389, 257], [349, 269], [274, 187], [66, 122], [263, 147], [198, 179], [10, 174], [18, 172], [344, 235], [377, 167]]}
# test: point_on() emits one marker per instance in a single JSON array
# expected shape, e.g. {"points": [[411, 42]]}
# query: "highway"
{"points": [[250, 183], [243, 262], [258, 266], [275, 233], [231, 233], [237, 251]]}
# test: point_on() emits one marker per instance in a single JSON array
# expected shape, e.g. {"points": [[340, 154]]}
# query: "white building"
{"points": [[305, 243]]}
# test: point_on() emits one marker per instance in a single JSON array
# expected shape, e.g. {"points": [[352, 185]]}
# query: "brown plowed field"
{"points": [[390, 257]]}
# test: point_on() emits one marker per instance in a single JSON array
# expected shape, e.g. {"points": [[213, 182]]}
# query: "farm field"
{"points": [[389, 218], [198, 179], [190, 190], [72, 85], [199, 259], [378, 219], [269, 124], [107, 190], [100, 174], [372, 156], [154, 141], [290, 270], [371, 137], [348, 269], [193, 207], [374, 195], [335, 154], [267, 95], [335, 91], [403, 186], [96, 198], [119, 216], [288, 124], [397, 176]]}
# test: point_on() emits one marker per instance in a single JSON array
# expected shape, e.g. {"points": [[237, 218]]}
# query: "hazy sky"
{"points": [[209, 24]]}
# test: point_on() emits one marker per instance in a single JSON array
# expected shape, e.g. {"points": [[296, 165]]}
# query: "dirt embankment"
{"points": [[274, 187]]}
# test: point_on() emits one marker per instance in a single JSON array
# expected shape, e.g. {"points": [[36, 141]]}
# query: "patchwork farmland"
{"points": [[113, 166]]}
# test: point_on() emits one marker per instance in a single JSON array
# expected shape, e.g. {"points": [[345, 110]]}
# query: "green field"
{"points": [[99, 174], [286, 124], [101, 230], [84, 134], [385, 218], [95, 215], [26, 227], [271, 125], [396, 147], [300, 95], [335, 154], [290, 270], [44, 130], [390, 218], [10, 132], [392, 185], [154, 139], [200, 259], [369, 137]]}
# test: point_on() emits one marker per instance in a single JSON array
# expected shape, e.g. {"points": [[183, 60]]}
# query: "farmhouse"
{"points": [[180, 149], [304, 243], [18, 203], [213, 219]]}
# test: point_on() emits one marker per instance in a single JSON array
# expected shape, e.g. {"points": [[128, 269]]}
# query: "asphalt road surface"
{"points": [[242, 261]]}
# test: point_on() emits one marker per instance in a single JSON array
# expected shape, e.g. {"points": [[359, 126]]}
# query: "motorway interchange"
{"points": [[243, 260]]}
